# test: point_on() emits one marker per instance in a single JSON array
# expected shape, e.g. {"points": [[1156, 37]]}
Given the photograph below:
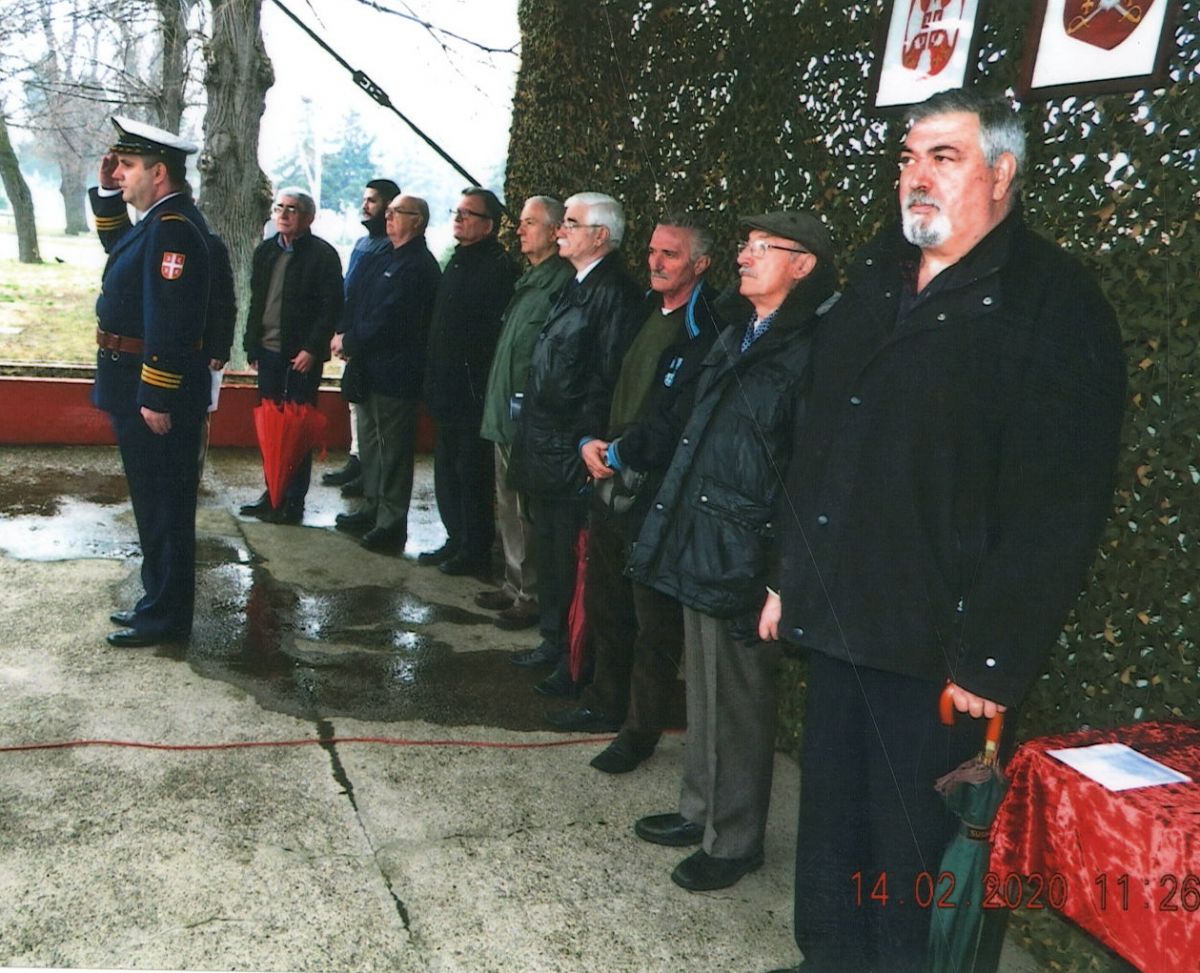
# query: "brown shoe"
{"points": [[521, 614], [493, 600]]}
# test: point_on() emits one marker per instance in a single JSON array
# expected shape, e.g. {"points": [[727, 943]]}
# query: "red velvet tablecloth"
{"points": [[1124, 865]]}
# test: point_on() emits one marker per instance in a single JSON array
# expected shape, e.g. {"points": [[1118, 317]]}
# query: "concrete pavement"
{"points": [[485, 851]]}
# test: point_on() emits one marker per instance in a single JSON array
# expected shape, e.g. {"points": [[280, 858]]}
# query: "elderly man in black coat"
{"points": [[576, 361], [707, 537], [958, 452], [474, 291]]}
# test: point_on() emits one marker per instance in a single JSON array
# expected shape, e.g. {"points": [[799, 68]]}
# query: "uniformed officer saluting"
{"points": [[151, 373]]}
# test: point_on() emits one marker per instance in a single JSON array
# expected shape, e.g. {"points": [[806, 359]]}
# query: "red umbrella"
{"points": [[577, 616], [287, 432]]}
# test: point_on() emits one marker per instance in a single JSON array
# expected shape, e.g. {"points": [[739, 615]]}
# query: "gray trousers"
{"points": [[729, 757], [387, 430], [516, 534]]}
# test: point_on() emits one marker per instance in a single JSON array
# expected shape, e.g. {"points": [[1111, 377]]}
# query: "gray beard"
{"points": [[924, 234]]}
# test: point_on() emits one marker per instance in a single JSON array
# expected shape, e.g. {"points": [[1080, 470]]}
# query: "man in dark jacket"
{"points": [[151, 374], [637, 632], [295, 304], [575, 364], [388, 304], [706, 540], [377, 194], [958, 465], [474, 290]]}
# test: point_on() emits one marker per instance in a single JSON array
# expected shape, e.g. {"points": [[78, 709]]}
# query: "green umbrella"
{"points": [[963, 937]]}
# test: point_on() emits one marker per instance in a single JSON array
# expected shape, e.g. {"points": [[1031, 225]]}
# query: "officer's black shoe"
{"points": [[701, 872], [384, 540], [359, 522], [559, 683], [291, 513], [129, 638], [461, 564], [124, 618], [352, 470], [261, 508], [354, 488], [626, 752], [673, 830]]}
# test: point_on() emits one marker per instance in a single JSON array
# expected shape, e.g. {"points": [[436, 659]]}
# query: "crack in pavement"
{"points": [[326, 736]]}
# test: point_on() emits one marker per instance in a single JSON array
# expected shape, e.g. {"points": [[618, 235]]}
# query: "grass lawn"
{"points": [[47, 310]]}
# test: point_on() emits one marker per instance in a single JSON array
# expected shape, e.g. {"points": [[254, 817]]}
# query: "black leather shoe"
{"points": [[354, 488], [625, 753], [443, 553], [261, 508], [700, 872], [124, 618], [583, 718], [558, 683], [461, 565], [544, 655], [673, 830], [129, 638], [351, 471], [358, 522], [291, 513], [522, 614], [383, 540], [494, 601]]}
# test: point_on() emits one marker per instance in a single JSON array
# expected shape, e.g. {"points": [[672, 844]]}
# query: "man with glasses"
{"points": [[377, 194], [295, 305], [959, 450], [474, 290], [389, 300], [706, 542], [574, 368], [516, 600]]}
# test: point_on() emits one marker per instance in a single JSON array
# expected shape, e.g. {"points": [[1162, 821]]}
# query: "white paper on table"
{"points": [[1118, 767], [215, 394]]}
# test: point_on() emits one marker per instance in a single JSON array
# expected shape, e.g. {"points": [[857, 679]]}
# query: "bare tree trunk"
{"points": [[74, 189], [18, 194], [235, 193], [173, 16]]}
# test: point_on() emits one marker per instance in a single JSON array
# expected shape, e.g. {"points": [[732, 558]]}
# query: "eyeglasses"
{"points": [[569, 225], [399, 212], [462, 214], [289, 208], [758, 248]]}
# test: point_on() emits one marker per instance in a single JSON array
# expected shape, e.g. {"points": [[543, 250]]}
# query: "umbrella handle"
{"points": [[995, 727]]}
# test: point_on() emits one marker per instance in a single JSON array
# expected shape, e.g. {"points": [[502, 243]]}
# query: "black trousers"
{"points": [[637, 637], [279, 382], [870, 820], [464, 476], [163, 474], [556, 523]]}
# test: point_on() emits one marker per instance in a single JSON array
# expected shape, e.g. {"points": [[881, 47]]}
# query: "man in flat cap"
{"points": [[707, 537], [152, 373]]}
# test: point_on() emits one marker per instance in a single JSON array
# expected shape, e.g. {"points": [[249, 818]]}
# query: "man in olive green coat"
{"points": [[535, 293]]}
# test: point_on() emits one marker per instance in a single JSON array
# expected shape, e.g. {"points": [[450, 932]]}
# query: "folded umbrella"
{"points": [[287, 432], [963, 937], [577, 628]]}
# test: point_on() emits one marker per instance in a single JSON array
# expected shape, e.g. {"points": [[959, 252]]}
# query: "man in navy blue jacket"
{"points": [[152, 374], [389, 301]]}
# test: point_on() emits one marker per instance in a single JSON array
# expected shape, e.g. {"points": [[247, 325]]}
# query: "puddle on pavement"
{"points": [[361, 652]]}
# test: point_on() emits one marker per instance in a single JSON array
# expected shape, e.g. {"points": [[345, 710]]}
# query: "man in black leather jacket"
{"points": [[707, 537], [576, 361]]}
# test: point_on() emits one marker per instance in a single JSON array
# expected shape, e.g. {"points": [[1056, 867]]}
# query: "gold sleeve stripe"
{"points": [[111, 222], [160, 379]]}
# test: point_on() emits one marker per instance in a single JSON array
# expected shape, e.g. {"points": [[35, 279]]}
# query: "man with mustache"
{"points": [[958, 453]]}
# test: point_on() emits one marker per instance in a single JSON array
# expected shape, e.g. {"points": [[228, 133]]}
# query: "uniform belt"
{"points": [[120, 343]]}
